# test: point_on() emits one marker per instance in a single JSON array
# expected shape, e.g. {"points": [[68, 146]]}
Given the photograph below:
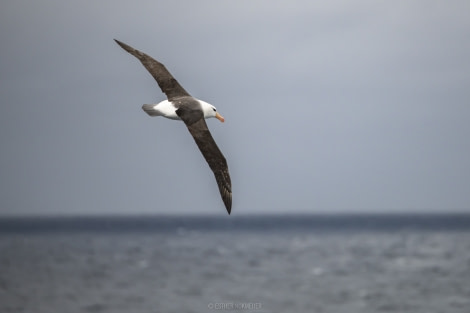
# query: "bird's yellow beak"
{"points": [[219, 117]]}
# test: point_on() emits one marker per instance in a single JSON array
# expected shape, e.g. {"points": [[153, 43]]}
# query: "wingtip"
{"points": [[124, 46], [121, 44]]}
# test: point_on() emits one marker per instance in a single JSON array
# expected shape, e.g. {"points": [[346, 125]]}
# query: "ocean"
{"points": [[283, 263]]}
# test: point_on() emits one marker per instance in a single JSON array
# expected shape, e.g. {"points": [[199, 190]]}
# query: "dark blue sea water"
{"points": [[355, 263]]}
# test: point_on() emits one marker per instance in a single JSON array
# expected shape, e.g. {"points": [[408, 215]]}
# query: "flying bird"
{"points": [[193, 112]]}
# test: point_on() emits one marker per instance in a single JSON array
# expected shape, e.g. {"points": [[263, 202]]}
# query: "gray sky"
{"points": [[332, 106]]}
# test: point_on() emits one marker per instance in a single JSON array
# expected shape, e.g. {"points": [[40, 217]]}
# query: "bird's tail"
{"points": [[150, 109]]}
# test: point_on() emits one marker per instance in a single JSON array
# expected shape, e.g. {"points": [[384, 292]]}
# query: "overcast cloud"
{"points": [[333, 106]]}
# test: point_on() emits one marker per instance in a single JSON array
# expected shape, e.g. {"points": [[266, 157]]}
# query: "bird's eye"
{"points": [[214, 109]]}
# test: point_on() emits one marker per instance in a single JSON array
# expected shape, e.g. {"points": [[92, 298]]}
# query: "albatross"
{"points": [[193, 112]]}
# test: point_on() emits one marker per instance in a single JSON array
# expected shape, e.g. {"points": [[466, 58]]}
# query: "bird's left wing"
{"points": [[167, 83]]}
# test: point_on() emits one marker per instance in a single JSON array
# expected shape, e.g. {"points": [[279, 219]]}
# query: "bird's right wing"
{"points": [[214, 157], [167, 83]]}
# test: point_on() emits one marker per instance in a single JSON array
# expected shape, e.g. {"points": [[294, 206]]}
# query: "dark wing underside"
{"points": [[168, 84], [212, 154]]}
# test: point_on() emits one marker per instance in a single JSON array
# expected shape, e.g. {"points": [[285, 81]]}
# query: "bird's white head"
{"points": [[210, 111]]}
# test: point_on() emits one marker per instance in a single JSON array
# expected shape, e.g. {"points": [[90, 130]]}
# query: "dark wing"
{"points": [[168, 84], [211, 153]]}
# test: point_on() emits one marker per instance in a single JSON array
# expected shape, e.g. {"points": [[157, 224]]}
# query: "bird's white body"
{"points": [[167, 109]]}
